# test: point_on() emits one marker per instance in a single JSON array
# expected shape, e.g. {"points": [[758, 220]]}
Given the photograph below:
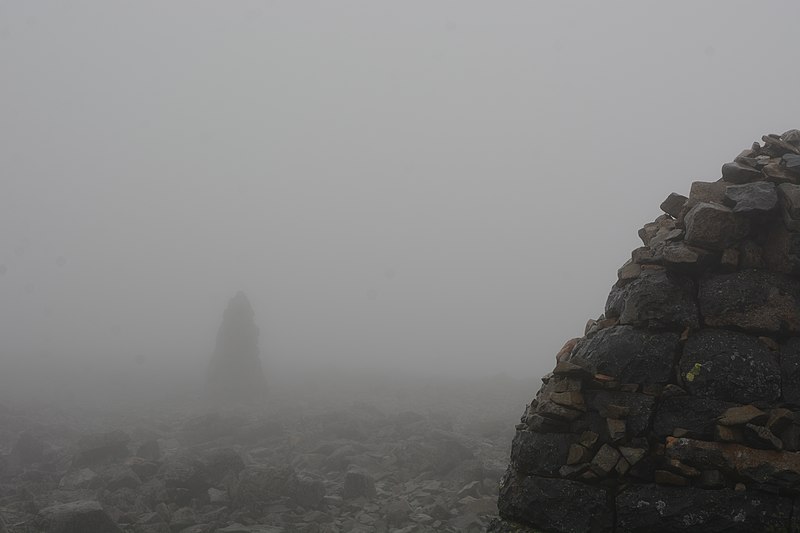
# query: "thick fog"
{"points": [[439, 188]]}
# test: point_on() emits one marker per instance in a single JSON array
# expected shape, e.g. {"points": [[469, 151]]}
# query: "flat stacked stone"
{"points": [[679, 408]]}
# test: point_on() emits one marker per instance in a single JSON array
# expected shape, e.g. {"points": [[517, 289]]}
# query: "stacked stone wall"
{"points": [[679, 409]]}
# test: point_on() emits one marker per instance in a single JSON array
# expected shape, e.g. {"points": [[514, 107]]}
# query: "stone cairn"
{"points": [[235, 373], [679, 409]]}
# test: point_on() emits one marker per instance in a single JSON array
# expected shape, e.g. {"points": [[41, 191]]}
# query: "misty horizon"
{"points": [[446, 191]]}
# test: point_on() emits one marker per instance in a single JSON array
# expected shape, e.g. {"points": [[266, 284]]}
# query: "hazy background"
{"points": [[443, 187]]}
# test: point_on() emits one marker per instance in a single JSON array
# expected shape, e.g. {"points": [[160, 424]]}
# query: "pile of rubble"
{"points": [[679, 409], [315, 463]]}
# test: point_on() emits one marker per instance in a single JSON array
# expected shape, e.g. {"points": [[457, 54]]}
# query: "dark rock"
{"points": [[761, 437], [80, 516], [743, 414], [102, 448], [706, 191], [656, 299], [673, 204], [117, 477], [358, 485], [789, 194], [782, 249], [768, 467], [732, 366], [555, 504], [235, 372], [657, 509], [605, 460], [540, 453], [754, 198], [753, 300], [714, 226], [640, 407], [739, 173], [697, 415], [630, 355], [790, 371]]}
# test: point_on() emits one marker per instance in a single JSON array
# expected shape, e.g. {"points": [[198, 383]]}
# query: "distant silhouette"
{"points": [[235, 372]]}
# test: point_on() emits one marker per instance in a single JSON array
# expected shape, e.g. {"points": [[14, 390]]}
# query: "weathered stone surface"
{"points": [[753, 300], [605, 460], [781, 250], [674, 204], [81, 516], [540, 453], [657, 509], [761, 437], [739, 173], [656, 299], [714, 226], [630, 355], [555, 504], [733, 367], [790, 371], [639, 406], [697, 415], [777, 468], [789, 194], [743, 414], [707, 191], [753, 198]]}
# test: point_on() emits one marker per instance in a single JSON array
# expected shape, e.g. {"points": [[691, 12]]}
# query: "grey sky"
{"points": [[409, 185]]}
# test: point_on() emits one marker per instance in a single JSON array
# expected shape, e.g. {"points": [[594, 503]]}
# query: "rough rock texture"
{"points": [[235, 373], [678, 409]]}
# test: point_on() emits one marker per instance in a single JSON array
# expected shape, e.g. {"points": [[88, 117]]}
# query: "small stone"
{"points": [[571, 471], [590, 324], [792, 162], [729, 260], [681, 432], [743, 415], [740, 487], [777, 173], [605, 460], [578, 454], [665, 477], [727, 434], [791, 137], [571, 399], [779, 420], [567, 385], [705, 191], [683, 469], [588, 439], [629, 271], [761, 437], [622, 466], [632, 455], [616, 429], [739, 173], [565, 350], [714, 226], [629, 387], [753, 198], [780, 146], [674, 204], [566, 368]]}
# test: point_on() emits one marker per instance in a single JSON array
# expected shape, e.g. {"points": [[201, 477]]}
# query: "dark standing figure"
{"points": [[235, 372]]}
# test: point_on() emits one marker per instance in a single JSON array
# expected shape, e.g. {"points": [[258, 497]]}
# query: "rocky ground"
{"points": [[366, 454]]}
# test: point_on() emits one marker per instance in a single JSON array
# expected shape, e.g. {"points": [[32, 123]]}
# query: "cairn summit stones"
{"points": [[679, 409], [235, 373]]}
